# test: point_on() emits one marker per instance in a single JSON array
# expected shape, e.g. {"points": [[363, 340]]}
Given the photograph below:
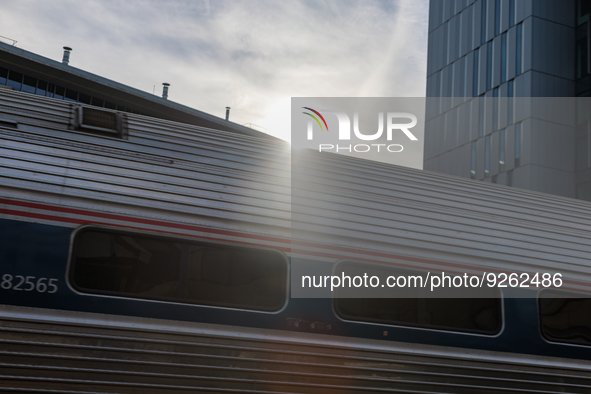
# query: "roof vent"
{"points": [[66, 58], [165, 86], [99, 120], [227, 113]]}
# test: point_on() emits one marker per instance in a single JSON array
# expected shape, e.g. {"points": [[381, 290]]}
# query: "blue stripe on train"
{"points": [[41, 251]]}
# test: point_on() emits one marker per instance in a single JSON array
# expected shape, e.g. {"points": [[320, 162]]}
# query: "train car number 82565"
{"points": [[28, 283]]}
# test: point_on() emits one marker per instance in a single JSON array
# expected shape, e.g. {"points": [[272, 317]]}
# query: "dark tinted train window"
{"points": [[474, 315], [564, 318], [159, 268], [478, 312]]}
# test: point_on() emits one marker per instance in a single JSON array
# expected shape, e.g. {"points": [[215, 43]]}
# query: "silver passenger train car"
{"points": [[141, 255]]}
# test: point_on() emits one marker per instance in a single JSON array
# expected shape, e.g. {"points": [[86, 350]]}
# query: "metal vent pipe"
{"points": [[227, 113], [165, 86], [66, 58]]}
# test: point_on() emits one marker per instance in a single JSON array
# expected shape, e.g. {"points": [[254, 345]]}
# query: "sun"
{"points": [[277, 120]]}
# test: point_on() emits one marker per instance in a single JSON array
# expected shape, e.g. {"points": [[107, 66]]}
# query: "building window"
{"points": [[486, 155], [518, 50], [3, 76], [502, 151], [495, 119], [518, 144], [511, 13], [488, 65], [497, 17], [584, 191], [582, 152], [29, 84], [15, 80], [110, 105], [50, 90], [41, 88], [84, 99], [510, 93], [565, 317], [473, 161], [583, 52], [98, 102], [125, 264], [60, 92], [71, 95], [475, 78], [483, 23], [503, 57], [583, 9], [582, 58], [481, 116]]}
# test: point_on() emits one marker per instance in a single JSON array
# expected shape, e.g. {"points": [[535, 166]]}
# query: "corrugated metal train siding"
{"points": [[173, 172], [511, 228], [243, 182], [35, 357]]}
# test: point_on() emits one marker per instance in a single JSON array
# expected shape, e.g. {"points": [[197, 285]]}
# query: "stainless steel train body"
{"points": [[147, 187]]}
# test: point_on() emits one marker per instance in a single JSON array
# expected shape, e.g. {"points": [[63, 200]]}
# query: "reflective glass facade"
{"points": [[511, 49], [583, 86]]}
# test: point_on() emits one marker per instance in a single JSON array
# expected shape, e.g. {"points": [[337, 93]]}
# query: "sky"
{"points": [[251, 55]]}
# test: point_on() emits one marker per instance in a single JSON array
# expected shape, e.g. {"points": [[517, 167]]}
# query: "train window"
{"points": [[473, 315], [144, 266], [564, 317], [480, 314]]}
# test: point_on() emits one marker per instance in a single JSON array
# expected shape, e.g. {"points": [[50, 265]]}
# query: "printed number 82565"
{"points": [[28, 283]]}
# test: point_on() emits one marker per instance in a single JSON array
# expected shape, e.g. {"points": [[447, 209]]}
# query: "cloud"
{"points": [[250, 55]]}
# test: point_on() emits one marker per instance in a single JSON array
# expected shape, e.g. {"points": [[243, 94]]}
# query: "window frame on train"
{"points": [[561, 294], [279, 261], [500, 312]]}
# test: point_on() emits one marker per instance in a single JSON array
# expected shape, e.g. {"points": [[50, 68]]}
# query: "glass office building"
{"points": [[487, 55]]}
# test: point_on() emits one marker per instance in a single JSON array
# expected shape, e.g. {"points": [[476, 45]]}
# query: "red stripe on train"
{"points": [[230, 233], [224, 232]]}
